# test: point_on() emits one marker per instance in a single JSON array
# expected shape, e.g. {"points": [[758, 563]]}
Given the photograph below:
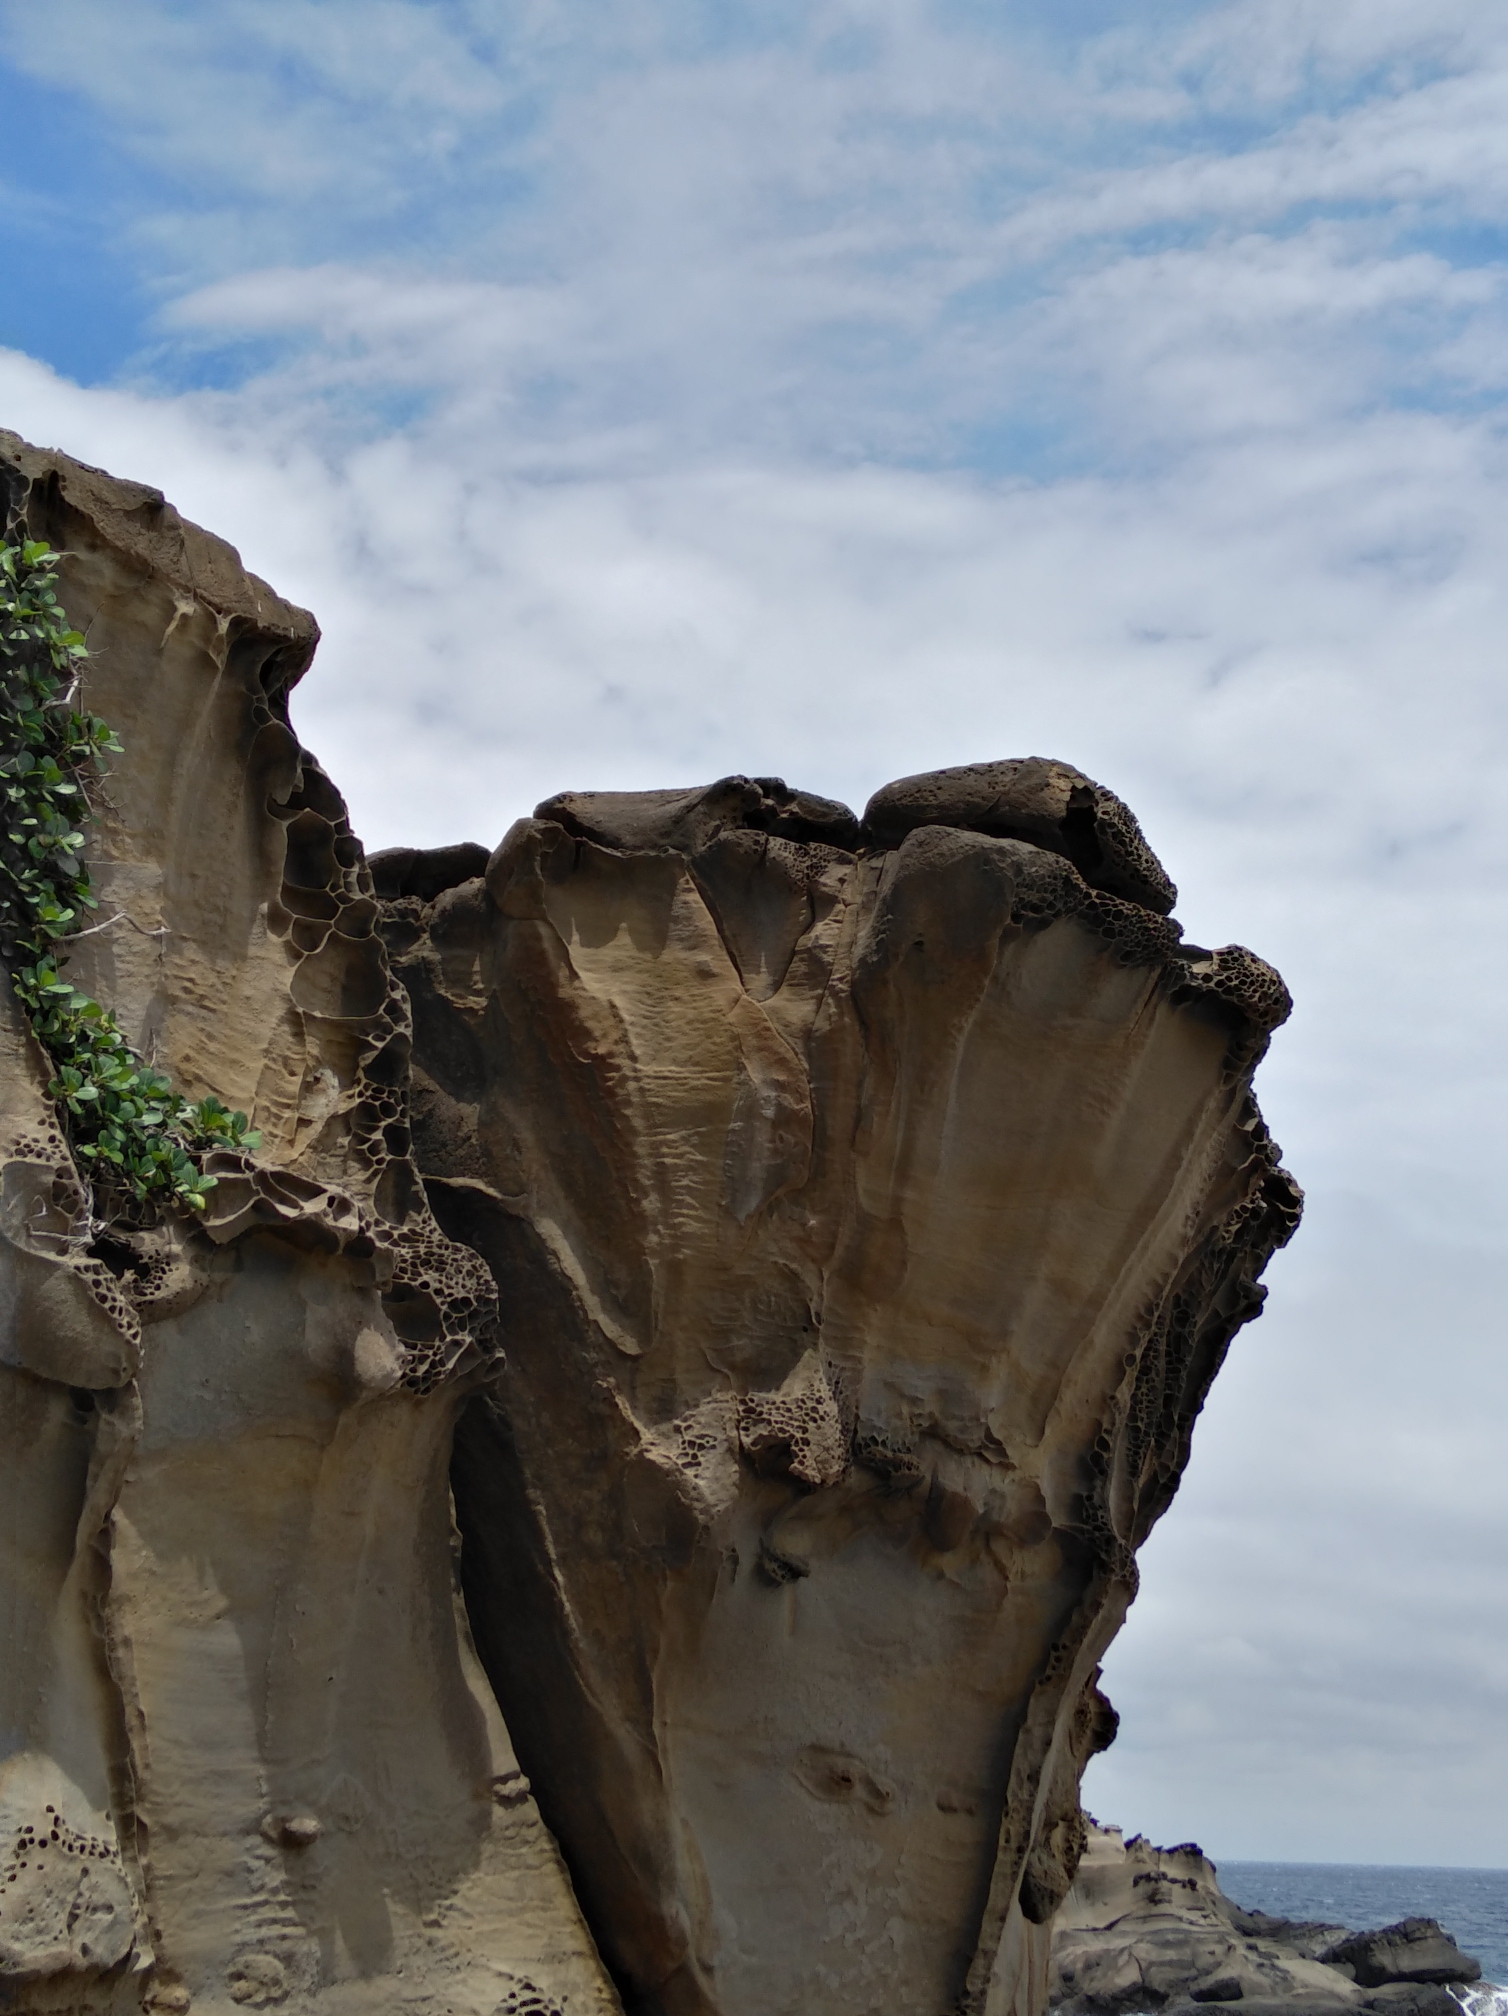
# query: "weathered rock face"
{"points": [[868, 1204], [248, 1756], [871, 1206], [1147, 1928]]}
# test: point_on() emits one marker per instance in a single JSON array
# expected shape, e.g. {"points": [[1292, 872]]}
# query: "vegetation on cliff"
{"points": [[133, 1136]]}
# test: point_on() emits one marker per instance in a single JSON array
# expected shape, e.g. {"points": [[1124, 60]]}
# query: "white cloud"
{"points": [[276, 96]]}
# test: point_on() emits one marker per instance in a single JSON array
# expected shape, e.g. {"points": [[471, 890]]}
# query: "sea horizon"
{"points": [[1335, 1862]]}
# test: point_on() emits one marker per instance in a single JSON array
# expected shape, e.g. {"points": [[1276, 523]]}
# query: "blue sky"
{"points": [[642, 392]]}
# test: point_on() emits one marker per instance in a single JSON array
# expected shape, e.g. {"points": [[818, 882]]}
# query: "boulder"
{"points": [[1415, 1950], [1416, 1998], [1031, 798]]}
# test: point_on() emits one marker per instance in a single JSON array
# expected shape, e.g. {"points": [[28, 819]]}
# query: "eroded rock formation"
{"points": [[817, 1234], [872, 1206], [1147, 1928], [249, 1758]]}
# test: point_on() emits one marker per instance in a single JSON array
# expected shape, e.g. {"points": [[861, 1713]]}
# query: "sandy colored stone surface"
{"points": [[864, 1205], [249, 1756], [871, 1206], [1147, 1928]]}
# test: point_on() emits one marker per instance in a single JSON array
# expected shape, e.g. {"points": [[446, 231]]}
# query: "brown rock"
{"points": [[871, 1223], [1149, 1928], [227, 1570], [871, 1207], [1146, 1927], [1030, 798]]}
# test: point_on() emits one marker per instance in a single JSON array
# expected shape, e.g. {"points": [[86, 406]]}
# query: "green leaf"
{"points": [[121, 1115]]}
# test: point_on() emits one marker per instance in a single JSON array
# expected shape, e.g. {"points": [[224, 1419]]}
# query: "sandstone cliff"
{"points": [[249, 1757], [871, 1205], [818, 1237]]}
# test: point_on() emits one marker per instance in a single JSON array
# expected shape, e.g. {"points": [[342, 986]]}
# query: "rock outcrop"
{"points": [[815, 1237], [1414, 1951], [249, 1756], [1149, 1929], [872, 1204]]}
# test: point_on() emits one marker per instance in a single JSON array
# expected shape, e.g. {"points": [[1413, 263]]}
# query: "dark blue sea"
{"points": [[1472, 1904]]}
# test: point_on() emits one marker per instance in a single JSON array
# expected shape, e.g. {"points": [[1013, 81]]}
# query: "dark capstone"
{"points": [[425, 872], [687, 821], [1031, 798]]}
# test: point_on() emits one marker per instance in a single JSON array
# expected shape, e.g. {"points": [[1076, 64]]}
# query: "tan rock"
{"points": [[254, 1757], [871, 1209], [1150, 1928], [871, 1204]]}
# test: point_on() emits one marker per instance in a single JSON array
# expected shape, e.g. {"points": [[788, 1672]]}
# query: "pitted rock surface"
{"points": [[1146, 1928], [1030, 798], [874, 1205], [251, 1748], [803, 1244]]}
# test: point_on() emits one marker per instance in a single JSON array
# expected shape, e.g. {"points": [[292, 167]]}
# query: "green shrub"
{"points": [[133, 1136]]}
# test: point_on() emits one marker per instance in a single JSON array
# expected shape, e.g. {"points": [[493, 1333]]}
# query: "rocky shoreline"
{"points": [[1146, 1928]]}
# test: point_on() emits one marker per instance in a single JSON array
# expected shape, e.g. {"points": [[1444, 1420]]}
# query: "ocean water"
{"points": [[1472, 1905]]}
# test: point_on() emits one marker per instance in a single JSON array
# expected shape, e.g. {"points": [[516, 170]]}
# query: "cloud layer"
{"points": [[638, 395]]}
